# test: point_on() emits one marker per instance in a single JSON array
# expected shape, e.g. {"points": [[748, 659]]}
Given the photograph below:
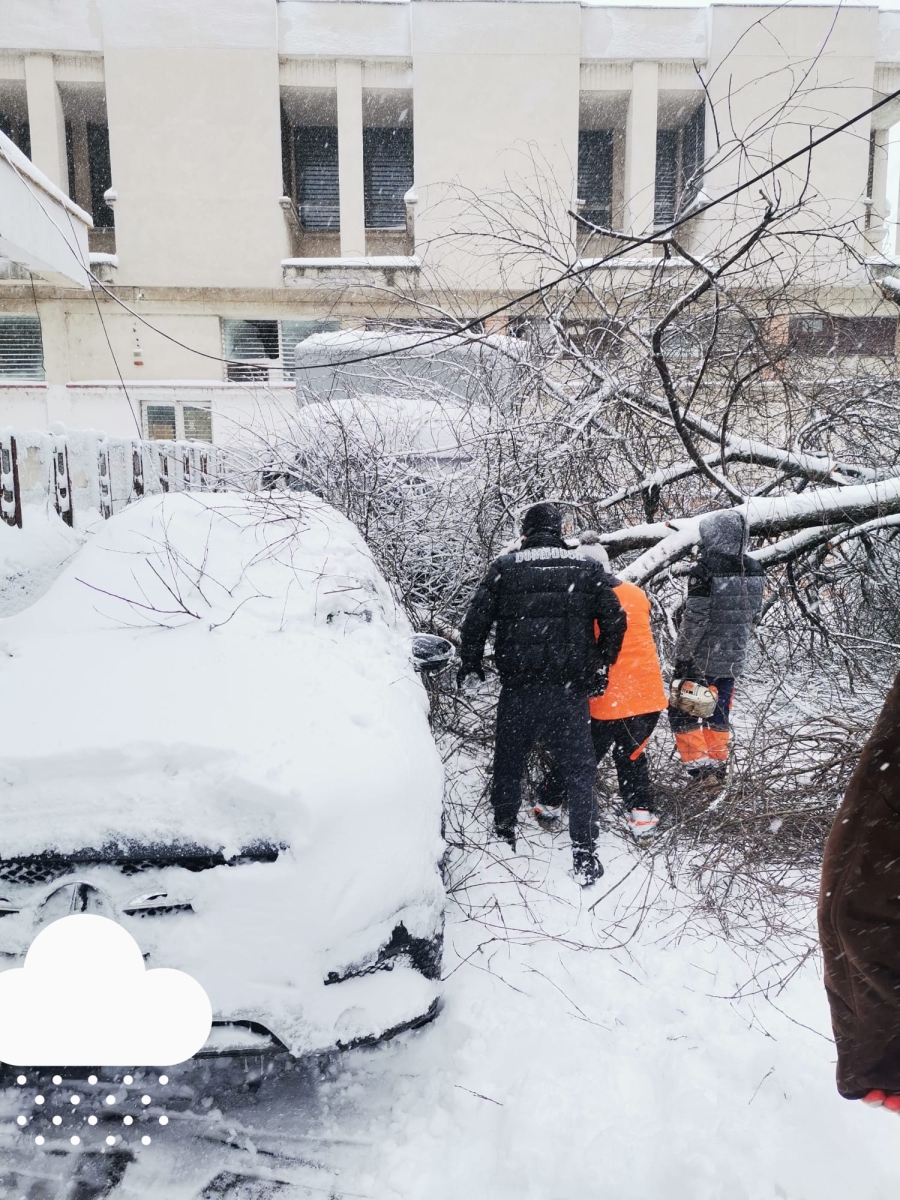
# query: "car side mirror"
{"points": [[431, 653]]}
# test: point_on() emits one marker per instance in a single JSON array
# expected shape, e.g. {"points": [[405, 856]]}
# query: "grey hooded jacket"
{"points": [[725, 590]]}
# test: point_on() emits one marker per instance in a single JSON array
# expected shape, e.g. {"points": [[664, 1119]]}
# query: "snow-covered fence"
{"points": [[10, 496], [88, 471]]}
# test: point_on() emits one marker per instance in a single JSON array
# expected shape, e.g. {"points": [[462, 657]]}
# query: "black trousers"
{"points": [[557, 718], [628, 738]]}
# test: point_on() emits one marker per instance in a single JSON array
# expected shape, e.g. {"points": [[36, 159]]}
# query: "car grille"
{"points": [[44, 868]]}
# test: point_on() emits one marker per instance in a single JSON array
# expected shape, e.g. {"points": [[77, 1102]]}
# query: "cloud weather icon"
{"points": [[85, 998]]}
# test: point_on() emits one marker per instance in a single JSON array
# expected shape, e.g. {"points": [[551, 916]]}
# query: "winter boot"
{"points": [[587, 867], [547, 815], [641, 821], [713, 778], [506, 833]]}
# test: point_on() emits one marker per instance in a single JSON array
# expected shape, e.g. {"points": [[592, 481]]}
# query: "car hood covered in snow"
{"points": [[217, 672]]}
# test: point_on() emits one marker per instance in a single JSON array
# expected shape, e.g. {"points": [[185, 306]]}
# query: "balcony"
{"points": [[385, 270]]}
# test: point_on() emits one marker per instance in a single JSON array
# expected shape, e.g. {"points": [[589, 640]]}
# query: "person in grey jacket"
{"points": [[725, 590]]}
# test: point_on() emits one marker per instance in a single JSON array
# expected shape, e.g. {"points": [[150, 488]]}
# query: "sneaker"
{"points": [[641, 821], [587, 867], [506, 833], [547, 815]]}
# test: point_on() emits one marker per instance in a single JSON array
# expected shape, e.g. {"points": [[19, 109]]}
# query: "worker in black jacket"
{"points": [[547, 601]]}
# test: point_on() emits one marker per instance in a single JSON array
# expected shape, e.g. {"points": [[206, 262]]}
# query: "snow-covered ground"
{"points": [[589, 1045], [625, 1071]]}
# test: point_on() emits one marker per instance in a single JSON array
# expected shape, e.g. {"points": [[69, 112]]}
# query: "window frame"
{"points": [[593, 205], [331, 223], [179, 405], [680, 157], [34, 375], [372, 206], [842, 336], [271, 370]]}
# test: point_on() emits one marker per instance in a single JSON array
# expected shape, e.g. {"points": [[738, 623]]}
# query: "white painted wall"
{"points": [[495, 96], [192, 98], [826, 57]]}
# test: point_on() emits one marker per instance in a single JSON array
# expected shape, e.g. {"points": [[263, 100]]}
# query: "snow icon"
{"points": [[85, 998]]}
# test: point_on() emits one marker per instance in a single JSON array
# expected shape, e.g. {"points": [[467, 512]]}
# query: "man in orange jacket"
{"points": [[625, 716]]}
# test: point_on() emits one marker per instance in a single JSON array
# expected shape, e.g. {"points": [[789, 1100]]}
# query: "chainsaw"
{"points": [[695, 699]]}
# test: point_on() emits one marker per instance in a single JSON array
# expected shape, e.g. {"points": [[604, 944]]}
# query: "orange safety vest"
{"points": [[635, 679]]}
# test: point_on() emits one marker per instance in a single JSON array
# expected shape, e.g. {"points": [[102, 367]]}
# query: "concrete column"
{"points": [[45, 120], [640, 148], [350, 158]]}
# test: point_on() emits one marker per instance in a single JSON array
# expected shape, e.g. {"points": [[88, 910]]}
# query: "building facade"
{"points": [[257, 170]]}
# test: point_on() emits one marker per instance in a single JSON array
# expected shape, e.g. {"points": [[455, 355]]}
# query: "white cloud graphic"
{"points": [[84, 998]]}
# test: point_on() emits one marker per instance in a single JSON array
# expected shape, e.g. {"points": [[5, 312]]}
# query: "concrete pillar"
{"points": [[640, 148], [45, 120], [350, 158]]}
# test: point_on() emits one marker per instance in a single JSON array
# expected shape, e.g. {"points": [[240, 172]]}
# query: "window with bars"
{"points": [[595, 175], [387, 175], [265, 349], [318, 189], [21, 348], [178, 422], [680, 154], [821, 336]]}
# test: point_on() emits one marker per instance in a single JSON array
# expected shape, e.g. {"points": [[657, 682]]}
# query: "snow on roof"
{"points": [[210, 671]]}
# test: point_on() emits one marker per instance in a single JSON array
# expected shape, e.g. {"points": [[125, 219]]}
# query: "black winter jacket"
{"points": [[544, 600], [725, 590]]}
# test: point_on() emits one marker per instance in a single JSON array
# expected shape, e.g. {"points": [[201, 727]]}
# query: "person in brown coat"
{"points": [[859, 919]]}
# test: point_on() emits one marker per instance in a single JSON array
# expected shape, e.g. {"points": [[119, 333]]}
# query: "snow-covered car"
{"points": [[214, 733], [425, 364]]}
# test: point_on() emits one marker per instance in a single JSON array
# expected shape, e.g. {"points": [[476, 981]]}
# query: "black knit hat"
{"points": [[542, 518]]}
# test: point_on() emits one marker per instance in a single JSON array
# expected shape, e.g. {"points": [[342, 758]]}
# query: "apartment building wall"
{"points": [[496, 89], [774, 86], [195, 138], [192, 96]]}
